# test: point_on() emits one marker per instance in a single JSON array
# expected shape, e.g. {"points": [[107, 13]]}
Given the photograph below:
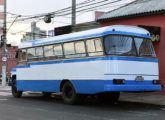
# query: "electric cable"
{"points": [[42, 15]]}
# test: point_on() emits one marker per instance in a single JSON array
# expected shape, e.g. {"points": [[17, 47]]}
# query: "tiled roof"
{"points": [[140, 7]]}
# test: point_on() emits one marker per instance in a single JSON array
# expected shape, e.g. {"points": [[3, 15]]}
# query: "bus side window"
{"points": [[24, 57], [58, 50], [98, 44], [69, 50], [80, 49], [21, 54], [94, 47], [30, 53], [39, 51], [48, 51], [17, 54]]}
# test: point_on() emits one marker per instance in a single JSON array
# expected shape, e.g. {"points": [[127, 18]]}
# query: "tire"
{"points": [[109, 97], [69, 94], [46, 94], [15, 93]]}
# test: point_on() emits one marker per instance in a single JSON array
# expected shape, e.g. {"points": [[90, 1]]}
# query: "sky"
{"points": [[33, 7]]}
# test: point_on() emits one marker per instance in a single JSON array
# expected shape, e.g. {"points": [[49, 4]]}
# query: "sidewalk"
{"points": [[5, 89], [155, 99], [149, 98]]}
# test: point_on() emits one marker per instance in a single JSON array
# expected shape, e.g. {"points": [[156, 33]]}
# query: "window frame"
{"points": [[19, 55], [54, 49], [102, 46], [48, 46], [73, 48], [138, 55], [133, 43], [63, 56], [42, 51], [34, 57]]}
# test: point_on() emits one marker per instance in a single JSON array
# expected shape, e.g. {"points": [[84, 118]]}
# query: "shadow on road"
{"points": [[90, 102]]}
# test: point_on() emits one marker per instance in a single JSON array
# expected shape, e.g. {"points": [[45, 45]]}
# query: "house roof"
{"points": [[137, 8]]}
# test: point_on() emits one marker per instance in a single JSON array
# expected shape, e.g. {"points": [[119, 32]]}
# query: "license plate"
{"points": [[139, 78]]}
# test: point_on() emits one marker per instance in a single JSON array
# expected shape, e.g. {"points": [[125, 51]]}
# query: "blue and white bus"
{"points": [[103, 62]]}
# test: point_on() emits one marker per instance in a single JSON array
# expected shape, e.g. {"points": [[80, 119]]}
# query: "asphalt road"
{"points": [[35, 107]]}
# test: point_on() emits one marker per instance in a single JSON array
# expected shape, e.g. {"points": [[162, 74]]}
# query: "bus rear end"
{"points": [[132, 64]]}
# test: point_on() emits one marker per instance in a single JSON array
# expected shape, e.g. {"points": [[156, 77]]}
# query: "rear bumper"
{"points": [[133, 88], [132, 85], [99, 86]]}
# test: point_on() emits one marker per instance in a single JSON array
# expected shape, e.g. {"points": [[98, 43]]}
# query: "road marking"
{"points": [[143, 113], [5, 94], [3, 99], [163, 109]]}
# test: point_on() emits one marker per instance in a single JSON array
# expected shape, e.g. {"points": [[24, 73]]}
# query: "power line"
{"points": [[77, 7], [68, 13], [12, 23], [90, 8], [85, 8], [42, 15], [82, 3], [24, 30]]}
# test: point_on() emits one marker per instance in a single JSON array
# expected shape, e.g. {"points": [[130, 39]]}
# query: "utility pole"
{"points": [[73, 15], [4, 47]]}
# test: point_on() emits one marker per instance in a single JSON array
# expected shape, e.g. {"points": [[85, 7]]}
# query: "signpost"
{"points": [[4, 48], [4, 59]]}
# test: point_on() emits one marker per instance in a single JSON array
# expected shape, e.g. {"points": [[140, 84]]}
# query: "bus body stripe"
{"points": [[87, 86], [90, 59], [37, 42]]}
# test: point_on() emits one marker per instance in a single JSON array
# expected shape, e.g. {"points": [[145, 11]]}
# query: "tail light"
{"points": [[118, 81], [156, 81]]}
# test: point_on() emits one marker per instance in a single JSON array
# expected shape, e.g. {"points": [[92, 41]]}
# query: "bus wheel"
{"points": [[46, 94], [69, 94], [109, 97], [15, 93]]}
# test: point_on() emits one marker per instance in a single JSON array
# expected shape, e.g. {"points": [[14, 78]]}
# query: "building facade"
{"points": [[11, 60], [149, 14], [78, 27], [36, 33]]}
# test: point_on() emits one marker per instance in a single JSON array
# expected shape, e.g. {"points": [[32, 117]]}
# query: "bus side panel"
{"points": [[90, 76], [38, 85], [47, 76], [89, 86]]}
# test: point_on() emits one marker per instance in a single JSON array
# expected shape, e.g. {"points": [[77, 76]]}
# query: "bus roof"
{"points": [[115, 29]]}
